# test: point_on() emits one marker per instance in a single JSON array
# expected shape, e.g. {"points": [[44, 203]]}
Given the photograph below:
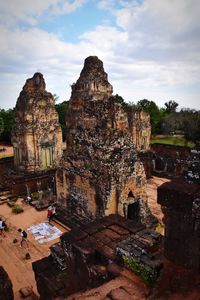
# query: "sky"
{"points": [[150, 48]]}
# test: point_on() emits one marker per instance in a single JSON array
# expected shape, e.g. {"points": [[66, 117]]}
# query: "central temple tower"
{"points": [[100, 172]]}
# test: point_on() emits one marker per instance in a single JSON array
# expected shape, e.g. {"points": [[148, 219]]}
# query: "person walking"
{"points": [[2, 227], [24, 238]]}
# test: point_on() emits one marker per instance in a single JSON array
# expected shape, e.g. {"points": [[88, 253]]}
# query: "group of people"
{"points": [[23, 234], [51, 211]]}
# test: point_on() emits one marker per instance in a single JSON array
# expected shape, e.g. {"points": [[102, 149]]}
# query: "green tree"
{"points": [[1, 125], [155, 114], [190, 124], [55, 97], [61, 109], [8, 117], [171, 106]]}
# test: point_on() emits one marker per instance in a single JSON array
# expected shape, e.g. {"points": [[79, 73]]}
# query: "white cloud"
{"points": [[12, 11], [154, 54], [65, 7], [160, 23]]}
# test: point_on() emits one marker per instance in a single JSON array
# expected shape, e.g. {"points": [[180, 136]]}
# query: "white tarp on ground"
{"points": [[44, 232]]}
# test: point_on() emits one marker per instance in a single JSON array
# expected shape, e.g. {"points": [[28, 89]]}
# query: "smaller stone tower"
{"points": [[36, 133]]}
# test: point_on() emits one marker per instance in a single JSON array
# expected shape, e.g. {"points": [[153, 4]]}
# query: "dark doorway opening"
{"points": [[130, 195], [133, 211]]}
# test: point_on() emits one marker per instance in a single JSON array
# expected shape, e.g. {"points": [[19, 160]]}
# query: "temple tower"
{"points": [[100, 172], [36, 133]]}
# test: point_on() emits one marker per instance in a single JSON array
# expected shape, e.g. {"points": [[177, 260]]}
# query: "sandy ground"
{"points": [[7, 152], [12, 257]]}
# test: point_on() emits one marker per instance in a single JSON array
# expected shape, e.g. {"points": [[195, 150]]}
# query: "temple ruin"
{"points": [[101, 193], [36, 134], [101, 173]]}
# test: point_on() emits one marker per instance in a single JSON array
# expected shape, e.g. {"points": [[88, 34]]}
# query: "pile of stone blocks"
{"points": [[88, 253]]}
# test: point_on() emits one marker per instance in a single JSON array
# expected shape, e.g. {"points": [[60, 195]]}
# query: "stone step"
{"points": [[2, 198], [6, 196], [2, 202], [5, 193], [61, 224]]}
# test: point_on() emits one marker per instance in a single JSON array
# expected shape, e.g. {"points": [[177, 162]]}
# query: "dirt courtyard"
{"points": [[12, 257]]}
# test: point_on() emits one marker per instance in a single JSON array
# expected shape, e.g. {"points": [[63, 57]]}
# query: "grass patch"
{"points": [[5, 155], [17, 209], [148, 274], [172, 140]]}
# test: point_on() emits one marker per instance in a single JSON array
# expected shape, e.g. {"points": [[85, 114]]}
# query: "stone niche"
{"points": [[101, 173], [36, 133]]}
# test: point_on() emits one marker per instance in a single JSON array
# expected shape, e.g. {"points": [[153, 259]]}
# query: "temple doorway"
{"points": [[133, 208], [133, 211]]}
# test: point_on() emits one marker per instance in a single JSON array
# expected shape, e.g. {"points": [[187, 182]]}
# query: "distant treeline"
{"points": [[164, 120]]}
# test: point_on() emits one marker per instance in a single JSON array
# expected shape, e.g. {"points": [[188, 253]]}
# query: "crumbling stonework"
{"points": [[6, 290], [88, 256], [36, 133], [174, 161], [100, 173], [180, 203], [139, 128]]}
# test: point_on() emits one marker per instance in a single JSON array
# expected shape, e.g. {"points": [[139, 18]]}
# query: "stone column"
{"points": [[181, 207]]}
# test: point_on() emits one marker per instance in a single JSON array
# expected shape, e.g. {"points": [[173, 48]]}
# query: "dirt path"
{"points": [[12, 257]]}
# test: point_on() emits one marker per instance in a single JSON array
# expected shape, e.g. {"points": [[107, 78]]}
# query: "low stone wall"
{"points": [[172, 162], [18, 186], [171, 150], [5, 164]]}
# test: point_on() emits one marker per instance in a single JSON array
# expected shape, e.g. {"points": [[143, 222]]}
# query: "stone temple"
{"points": [[100, 172], [36, 134]]}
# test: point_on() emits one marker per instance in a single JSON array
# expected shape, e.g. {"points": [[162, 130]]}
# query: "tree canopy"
{"points": [[61, 109], [1, 125], [7, 117], [171, 106], [155, 114], [164, 120]]}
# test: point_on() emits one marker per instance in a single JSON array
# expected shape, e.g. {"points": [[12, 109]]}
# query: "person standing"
{"points": [[53, 211], [2, 227], [50, 213], [24, 237]]}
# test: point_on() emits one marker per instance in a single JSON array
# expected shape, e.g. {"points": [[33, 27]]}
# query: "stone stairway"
{"points": [[64, 216], [6, 196]]}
